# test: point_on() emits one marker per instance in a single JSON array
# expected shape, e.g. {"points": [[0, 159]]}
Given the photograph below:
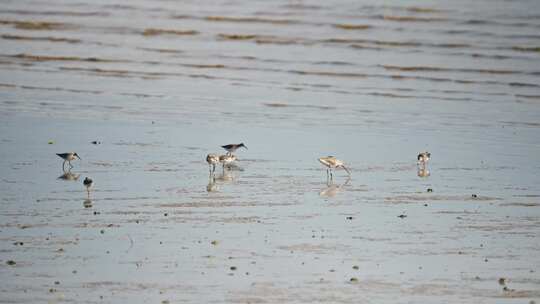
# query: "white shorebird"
{"points": [[233, 147], [68, 157], [423, 158], [331, 163], [88, 183], [212, 160], [226, 160]]}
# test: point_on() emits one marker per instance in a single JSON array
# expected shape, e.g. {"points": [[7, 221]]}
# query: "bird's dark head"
{"points": [[242, 145]]}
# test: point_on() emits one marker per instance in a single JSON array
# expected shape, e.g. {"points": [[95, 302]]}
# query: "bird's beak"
{"points": [[245, 147], [345, 168], [78, 157]]}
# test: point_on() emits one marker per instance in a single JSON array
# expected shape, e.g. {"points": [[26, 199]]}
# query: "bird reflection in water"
{"points": [[332, 189], [422, 172], [212, 186], [69, 176], [87, 203]]}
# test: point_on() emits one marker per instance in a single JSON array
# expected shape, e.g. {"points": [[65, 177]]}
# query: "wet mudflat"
{"points": [[158, 85]]}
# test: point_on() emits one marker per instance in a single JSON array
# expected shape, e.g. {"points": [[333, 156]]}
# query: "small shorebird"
{"points": [[88, 183], [68, 157], [331, 162], [226, 159], [212, 160], [423, 158], [233, 147]]}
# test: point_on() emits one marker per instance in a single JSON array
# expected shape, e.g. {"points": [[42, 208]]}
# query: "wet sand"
{"points": [[161, 84]]}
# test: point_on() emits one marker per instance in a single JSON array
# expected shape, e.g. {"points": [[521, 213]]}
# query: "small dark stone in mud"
{"points": [[459, 218], [353, 280], [214, 242], [11, 262], [153, 122], [160, 242], [402, 216], [52, 290], [485, 260], [165, 302], [474, 196], [97, 212], [502, 281], [60, 250], [429, 190], [460, 252], [532, 302], [355, 267], [425, 205], [165, 214], [247, 273], [481, 245], [136, 221], [56, 282], [477, 278], [349, 217], [233, 268], [74, 271], [107, 252], [18, 243], [102, 231], [332, 270], [95, 142]]}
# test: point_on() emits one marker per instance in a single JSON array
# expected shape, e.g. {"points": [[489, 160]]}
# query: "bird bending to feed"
{"points": [[233, 147], [226, 159], [331, 163], [68, 157], [212, 160], [424, 157], [88, 183]]}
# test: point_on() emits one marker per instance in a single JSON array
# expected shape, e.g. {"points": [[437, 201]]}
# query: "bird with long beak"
{"points": [[330, 163], [233, 147], [68, 157]]}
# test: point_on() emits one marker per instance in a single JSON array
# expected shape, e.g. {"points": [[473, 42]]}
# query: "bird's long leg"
{"points": [[327, 175], [214, 169], [64, 166], [70, 166], [331, 175]]}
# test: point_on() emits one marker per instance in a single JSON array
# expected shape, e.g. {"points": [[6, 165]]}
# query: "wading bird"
{"points": [[233, 147], [68, 157], [423, 158], [88, 183], [226, 160], [331, 163], [212, 160]]}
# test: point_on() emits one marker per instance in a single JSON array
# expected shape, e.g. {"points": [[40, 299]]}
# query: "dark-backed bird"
{"points": [[233, 147], [68, 157]]}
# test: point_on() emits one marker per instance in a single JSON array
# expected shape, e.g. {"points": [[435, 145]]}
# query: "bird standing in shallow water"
{"points": [[212, 160], [233, 147], [331, 163], [226, 159], [423, 158], [88, 183], [68, 157]]}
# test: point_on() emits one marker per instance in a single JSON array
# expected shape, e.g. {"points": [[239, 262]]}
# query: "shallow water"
{"points": [[160, 84]]}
